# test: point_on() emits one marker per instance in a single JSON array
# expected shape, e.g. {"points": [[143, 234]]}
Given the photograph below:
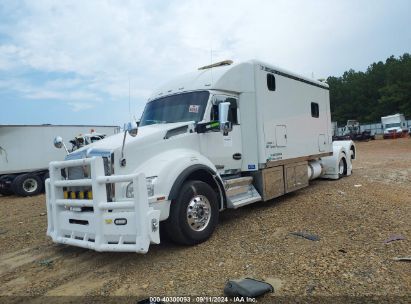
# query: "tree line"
{"points": [[384, 89]]}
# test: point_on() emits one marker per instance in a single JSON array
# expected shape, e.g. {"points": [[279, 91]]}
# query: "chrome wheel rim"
{"points": [[198, 213], [341, 166], [30, 185]]}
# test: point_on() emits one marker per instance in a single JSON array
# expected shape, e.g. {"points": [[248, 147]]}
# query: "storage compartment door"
{"points": [[281, 135], [289, 178], [273, 179], [296, 176]]}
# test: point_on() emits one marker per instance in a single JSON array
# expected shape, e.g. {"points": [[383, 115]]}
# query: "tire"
{"points": [[27, 185], [7, 189], [342, 167], [45, 176], [195, 198]]}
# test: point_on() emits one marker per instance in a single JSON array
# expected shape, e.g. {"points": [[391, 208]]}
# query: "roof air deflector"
{"points": [[217, 64]]}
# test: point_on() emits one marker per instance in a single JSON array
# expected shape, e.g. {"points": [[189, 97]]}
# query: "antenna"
{"points": [[211, 62], [129, 94]]}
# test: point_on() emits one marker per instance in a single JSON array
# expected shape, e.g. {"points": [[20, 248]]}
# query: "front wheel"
{"points": [[194, 215]]}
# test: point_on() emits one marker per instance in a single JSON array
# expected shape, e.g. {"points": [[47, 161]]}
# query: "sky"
{"points": [[96, 61]]}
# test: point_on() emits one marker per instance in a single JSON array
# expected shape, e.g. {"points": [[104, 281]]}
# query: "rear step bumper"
{"points": [[122, 226]]}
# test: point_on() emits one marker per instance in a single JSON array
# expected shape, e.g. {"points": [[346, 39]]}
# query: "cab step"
{"points": [[240, 192]]}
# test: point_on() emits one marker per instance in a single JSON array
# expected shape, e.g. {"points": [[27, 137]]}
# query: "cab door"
{"points": [[225, 152]]}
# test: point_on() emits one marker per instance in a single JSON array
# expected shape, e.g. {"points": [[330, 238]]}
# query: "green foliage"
{"points": [[384, 89]]}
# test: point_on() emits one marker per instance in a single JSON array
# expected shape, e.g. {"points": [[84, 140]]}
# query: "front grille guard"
{"points": [[146, 218]]}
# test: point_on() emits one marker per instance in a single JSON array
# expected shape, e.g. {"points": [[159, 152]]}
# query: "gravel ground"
{"points": [[352, 216]]}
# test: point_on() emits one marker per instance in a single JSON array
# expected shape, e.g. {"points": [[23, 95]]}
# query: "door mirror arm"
{"points": [[207, 126]]}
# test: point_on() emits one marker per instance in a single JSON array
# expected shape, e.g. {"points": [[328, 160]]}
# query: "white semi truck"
{"points": [[222, 137], [25, 152], [394, 126]]}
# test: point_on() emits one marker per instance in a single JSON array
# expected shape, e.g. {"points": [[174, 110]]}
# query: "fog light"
{"points": [[120, 221], [90, 194], [150, 185]]}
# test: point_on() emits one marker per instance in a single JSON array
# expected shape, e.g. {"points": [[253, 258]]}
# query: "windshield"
{"points": [[392, 125], [176, 108]]}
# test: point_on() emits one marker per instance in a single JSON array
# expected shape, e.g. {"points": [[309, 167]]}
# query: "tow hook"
{"points": [[154, 225]]}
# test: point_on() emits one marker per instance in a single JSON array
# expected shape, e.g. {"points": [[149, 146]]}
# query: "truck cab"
{"points": [[82, 140], [394, 126], [201, 109]]}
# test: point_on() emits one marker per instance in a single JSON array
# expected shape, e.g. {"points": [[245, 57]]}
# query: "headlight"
{"points": [[150, 187], [130, 190]]}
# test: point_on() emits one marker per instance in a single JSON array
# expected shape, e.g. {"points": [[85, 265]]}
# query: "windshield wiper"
{"points": [[147, 122]]}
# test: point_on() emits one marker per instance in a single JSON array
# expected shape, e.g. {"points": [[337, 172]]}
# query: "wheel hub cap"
{"points": [[198, 213], [30, 185]]}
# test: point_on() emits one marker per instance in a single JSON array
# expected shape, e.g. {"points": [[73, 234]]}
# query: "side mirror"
{"points": [[225, 125], [131, 128], [59, 143]]}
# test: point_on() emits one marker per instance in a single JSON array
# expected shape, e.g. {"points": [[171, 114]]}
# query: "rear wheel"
{"points": [[5, 187], [27, 185], [194, 215]]}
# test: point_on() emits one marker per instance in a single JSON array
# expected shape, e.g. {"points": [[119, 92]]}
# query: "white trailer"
{"points": [[222, 137], [394, 126], [26, 151]]}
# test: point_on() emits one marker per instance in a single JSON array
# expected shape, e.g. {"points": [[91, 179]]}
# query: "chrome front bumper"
{"points": [[98, 229]]}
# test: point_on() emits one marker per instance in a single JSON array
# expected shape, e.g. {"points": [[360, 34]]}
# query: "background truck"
{"points": [[25, 153], [352, 131], [222, 137], [394, 126], [334, 128]]}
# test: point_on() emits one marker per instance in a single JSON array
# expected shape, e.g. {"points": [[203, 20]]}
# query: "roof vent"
{"points": [[217, 64]]}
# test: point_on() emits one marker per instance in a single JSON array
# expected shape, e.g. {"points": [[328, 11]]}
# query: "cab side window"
{"points": [[315, 110]]}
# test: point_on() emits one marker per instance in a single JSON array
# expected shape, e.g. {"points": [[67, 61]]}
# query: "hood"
{"points": [[145, 134]]}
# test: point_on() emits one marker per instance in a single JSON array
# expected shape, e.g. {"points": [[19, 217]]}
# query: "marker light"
{"points": [[90, 194]]}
